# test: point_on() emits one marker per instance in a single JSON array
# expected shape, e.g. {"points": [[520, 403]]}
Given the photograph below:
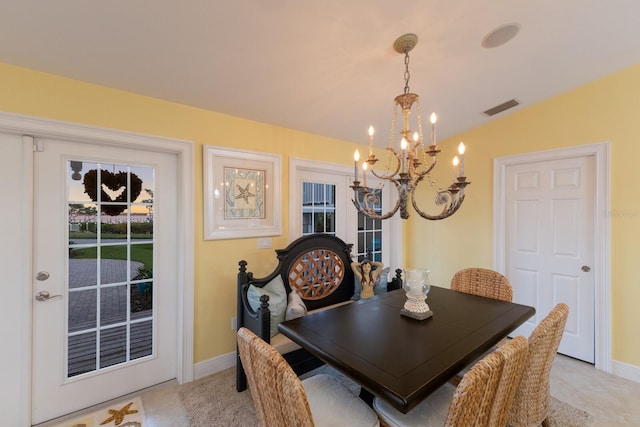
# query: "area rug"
{"points": [[126, 413], [563, 414], [213, 401]]}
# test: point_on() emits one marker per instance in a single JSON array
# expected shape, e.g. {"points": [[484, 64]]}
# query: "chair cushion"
{"points": [[277, 301], [333, 404], [430, 412], [283, 344]]}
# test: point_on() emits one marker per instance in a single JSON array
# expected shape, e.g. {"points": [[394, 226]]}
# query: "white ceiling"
{"points": [[325, 66]]}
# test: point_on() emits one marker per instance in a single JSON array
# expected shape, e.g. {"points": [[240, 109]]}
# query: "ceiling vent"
{"points": [[500, 108]]}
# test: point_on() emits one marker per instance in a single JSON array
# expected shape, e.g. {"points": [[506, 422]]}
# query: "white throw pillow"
{"points": [[277, 301], [380, 286], [296, 307]]}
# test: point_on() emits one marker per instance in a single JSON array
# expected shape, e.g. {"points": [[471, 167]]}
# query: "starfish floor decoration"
{"points": [[117, 416]]}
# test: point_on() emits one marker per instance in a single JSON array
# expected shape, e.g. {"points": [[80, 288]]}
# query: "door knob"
{"points": [[44, 295], [586, 268]]}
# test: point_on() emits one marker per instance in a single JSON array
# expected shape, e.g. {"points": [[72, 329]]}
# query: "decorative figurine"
{"points": [[367, 275]]}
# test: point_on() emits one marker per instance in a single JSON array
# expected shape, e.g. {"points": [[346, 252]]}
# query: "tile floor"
{"points": [[614, 402]]}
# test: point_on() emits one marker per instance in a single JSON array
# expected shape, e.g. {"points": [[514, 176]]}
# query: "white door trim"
{"points": [[44, 128], [600, 151]]}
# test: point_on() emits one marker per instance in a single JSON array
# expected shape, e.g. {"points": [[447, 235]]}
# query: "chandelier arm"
{"points": [[388, 214], [368, 211], [452, 203], [387, 176], [421, 175], [374, 215]]}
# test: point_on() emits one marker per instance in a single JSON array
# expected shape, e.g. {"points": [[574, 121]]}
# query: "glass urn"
{"points": [[416, 286]]}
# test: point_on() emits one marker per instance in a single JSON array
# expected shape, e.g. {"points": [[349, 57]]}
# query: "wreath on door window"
{"points": [[116, 182]]}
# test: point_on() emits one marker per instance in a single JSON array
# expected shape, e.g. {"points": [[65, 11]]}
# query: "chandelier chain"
{"points": [[407, 75]]}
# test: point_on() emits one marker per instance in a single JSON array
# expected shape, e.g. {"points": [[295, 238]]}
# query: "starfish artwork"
{"points": [[117, 416], [244, 193]]}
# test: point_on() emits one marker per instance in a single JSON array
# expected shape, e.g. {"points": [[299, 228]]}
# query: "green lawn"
{"points": [[142, 253]]}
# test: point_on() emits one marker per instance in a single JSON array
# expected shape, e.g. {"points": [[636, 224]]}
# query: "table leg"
{"points": [[366, 396]]}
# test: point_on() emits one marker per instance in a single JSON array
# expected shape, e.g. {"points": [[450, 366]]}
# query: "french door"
{"points": [[105, 263]]}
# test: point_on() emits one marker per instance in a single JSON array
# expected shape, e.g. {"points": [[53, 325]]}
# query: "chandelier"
{"points": [[410, 165]]}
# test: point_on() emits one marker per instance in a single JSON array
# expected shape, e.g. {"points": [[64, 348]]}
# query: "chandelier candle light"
{"points": [[414, 162]]}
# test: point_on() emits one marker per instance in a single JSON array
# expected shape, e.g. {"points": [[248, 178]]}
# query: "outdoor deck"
{"points": [[83, 312]]}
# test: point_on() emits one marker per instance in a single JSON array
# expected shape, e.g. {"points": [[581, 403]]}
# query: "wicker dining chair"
{"points": [[282, 400], [515, 355], [485, 283], [531, 403], [482, 282], [482, 398]]}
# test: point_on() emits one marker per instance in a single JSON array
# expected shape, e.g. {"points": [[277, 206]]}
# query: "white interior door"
{"points": [[105, 291], [549, 250]]}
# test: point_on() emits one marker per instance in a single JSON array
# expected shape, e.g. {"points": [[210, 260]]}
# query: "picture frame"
{"points": [[242, 193]]}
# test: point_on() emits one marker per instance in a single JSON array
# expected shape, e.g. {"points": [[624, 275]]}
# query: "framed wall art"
{"points": [[241, 194]]}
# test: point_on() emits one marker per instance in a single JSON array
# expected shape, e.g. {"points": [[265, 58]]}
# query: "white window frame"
{"points": [[346, 228]]}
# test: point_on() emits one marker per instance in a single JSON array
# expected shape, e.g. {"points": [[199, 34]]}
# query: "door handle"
{"points": [[44, 295], [586, 268]]}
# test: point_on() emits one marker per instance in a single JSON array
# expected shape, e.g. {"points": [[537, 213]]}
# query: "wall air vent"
{"points": [[500, 108]]}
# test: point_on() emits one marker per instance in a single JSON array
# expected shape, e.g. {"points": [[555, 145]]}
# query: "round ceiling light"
{"points": [[500, 35]]}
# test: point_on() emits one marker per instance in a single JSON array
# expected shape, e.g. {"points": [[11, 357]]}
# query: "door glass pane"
{"points": [[110, 264], [113, 305], [370, 234], [142, 300], [114, 262], [141, 343], [82, 353], [76, 182], [113, 346], [114, 229], [318, 208], [83, 305]]}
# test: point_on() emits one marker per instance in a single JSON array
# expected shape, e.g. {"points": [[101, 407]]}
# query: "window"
{"points": [[370, 239], [318, 208]]}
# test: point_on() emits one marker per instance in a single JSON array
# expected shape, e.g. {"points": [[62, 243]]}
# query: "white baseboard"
{"points": [[626, 371], [226, 361], [214, 365]]}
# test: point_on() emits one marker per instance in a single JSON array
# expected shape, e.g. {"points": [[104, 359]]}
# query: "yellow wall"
{"points": [[216, 262], [605, 110]]}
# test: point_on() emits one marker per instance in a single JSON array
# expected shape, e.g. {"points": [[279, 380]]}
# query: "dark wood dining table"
{"points": [[400, 359]]}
